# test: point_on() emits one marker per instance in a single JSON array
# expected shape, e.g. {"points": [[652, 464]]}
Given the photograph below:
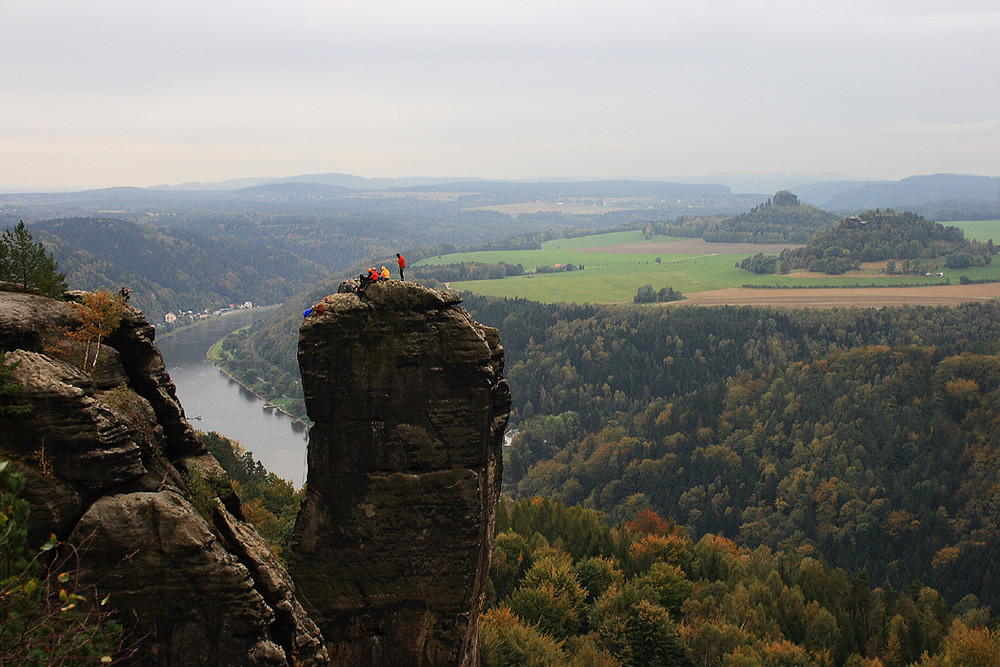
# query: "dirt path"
{"points": [[866, 297]]}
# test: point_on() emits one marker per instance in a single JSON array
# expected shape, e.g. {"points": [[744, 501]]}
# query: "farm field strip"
{"points": [[842, 297], [617, 264]]}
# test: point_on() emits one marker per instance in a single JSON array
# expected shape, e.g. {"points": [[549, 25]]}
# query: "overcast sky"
{"points": [[144, 92]]}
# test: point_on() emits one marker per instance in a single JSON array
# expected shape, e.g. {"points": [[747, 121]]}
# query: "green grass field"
{"points": [[979, 230], [614, 277]]}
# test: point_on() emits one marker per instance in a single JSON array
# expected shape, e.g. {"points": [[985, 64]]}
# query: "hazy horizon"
{"points": [[113, 93]]}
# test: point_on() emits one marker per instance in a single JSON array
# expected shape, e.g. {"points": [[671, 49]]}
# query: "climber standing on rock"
{"points": [[402, 265]]}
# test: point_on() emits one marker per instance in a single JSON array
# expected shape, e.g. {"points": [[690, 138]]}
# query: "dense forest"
{"points": [[879, 235], [566, 588], [866, 435]]}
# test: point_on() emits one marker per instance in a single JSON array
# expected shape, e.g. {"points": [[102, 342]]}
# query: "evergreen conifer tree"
{"points": [[24, 262]]}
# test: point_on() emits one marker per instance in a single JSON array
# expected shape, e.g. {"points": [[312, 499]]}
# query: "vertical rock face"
{"points": [[107, 458], [392, 543]]}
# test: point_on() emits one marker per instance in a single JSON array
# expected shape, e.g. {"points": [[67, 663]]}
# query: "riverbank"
{"points": [[217, 356], [226, 406]]}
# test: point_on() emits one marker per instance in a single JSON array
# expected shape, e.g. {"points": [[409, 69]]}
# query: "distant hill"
{"points": [[576, 188], [886, 235], [938, 196], [172, 269], [339, 180], [525, 191], [781, 219]]}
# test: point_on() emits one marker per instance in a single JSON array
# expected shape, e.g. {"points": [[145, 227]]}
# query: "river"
{"points": [[215, 402]]}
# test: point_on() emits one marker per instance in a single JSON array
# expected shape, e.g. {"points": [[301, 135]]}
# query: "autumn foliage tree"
{"points": [[100, 313]]}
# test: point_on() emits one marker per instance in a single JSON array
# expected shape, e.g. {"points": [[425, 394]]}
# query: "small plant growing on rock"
{"points": [[9, 387], [46, 617], [205, 490]]}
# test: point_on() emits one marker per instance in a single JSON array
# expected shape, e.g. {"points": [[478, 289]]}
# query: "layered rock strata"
{"points": [[392, 543], [109, 460]]}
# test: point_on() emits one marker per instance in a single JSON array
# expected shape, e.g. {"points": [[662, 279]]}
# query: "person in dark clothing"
{"points": [[401, 261], [366, 279]]}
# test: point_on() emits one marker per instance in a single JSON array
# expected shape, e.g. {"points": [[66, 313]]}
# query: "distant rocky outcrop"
{"points": [[392, 543], [109, 464]]}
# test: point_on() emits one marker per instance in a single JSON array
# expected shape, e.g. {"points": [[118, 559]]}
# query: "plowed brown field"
{"points": [[865, 297]]}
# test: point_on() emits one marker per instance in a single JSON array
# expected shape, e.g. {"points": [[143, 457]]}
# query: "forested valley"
{"points": [[860, 445], [772, 427]]}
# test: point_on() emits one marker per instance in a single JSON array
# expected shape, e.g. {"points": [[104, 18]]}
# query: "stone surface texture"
{"points": [[393, 540], [105, 457]]}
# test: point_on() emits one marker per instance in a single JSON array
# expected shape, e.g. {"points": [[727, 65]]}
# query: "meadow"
{"points": [[615, 265], [979, 230]]}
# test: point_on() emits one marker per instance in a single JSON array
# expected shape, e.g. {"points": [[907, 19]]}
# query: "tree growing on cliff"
{"points": [[24, 262], [100, 314]]}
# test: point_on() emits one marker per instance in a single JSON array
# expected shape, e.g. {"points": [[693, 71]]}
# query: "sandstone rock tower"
{"points": [[392, 543]]}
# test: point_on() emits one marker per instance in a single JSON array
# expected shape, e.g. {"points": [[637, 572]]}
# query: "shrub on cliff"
{"points": [[269, 502], [44, 617]]}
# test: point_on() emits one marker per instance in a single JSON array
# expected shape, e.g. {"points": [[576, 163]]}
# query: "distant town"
{"points": [[183, 317]]}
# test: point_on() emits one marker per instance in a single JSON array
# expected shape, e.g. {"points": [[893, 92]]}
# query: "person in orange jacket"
{"points": [[384, 273], [402, 265]]}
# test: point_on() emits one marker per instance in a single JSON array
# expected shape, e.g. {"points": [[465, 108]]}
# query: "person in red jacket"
{"points": [[402, 265]]}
